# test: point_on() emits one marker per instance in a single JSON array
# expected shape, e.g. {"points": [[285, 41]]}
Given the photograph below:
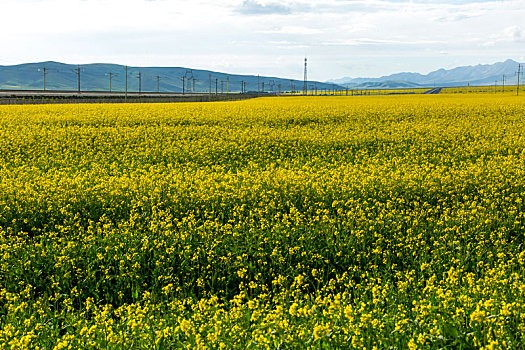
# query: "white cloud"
{"points": [[509, 35], [369, 41], [514, 33], [287, 30], [252, 7]]}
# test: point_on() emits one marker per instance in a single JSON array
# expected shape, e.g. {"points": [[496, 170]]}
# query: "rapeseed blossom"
{"points": [[294, 222]]}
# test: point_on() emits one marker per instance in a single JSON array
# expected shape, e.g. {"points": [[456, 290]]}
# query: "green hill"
{"points": [[95, 77]]}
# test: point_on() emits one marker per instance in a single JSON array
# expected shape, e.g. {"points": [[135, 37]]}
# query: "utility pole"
{"points": [[519, 73], [158, 84], [503, 83], [222, 86], [140, 83], [305, 85], [45, 73], [78, 77], [279, 89], [216, 82], [263, 87], [44, 70], [242, 86], [110, 75], [126, 94], [227, 84]]}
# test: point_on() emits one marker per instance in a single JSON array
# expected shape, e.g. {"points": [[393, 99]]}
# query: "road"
{"points": [[433, 91]]}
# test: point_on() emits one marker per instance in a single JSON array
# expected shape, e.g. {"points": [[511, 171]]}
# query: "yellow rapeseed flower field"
{"points": [[377, 222]]}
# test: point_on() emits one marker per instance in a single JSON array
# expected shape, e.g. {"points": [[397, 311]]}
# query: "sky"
{"points": [[341, 38]]}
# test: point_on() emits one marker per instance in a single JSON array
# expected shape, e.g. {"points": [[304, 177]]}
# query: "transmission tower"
{"points": [[272, 85], [191, 80], [305, 85], [520, 67]]}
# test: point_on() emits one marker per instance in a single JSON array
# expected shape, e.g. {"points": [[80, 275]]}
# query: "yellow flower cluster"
{"points": [[292, 222], [490, 89]]}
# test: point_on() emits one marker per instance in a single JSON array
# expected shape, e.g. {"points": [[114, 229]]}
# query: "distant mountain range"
{"points": [[485, 74], [96, 77]]}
